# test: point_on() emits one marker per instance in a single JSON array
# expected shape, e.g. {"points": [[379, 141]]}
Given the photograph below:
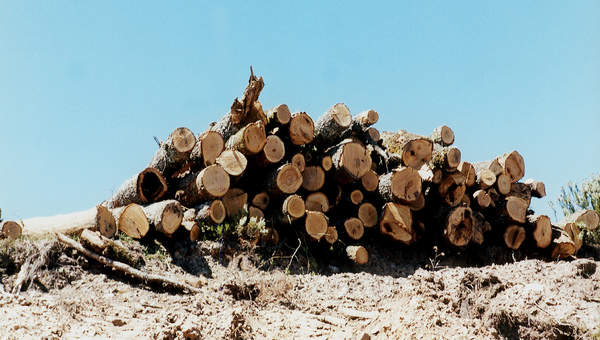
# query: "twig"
{"points": [[122, 267], [30, 267], [293, 255]]}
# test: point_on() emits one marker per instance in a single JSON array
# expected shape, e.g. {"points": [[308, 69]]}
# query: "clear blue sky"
{"points": [[85, 85]]}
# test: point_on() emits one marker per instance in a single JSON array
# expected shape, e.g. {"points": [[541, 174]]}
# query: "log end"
{"points": [[358, 254]]}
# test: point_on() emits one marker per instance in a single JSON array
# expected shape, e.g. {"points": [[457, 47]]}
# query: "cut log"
{"points": [[132, 221], [468, 170], [370, 181], [313, 178], [480, 227], [249, 140], [358, 254], [192, 227], [458, 229], [92, 240], [316, 224], [452, 188], [326, 163], [365, 119], [402, 185], [485, 178], [235, 201], [98, 218], [278, 116], [166, 216], [491, 165], [465, 201], [367, 213], [419, 203], [514, 235], [415, 150], [210, 183], [261, 200], [443, 135], [105, 222], [351, 161], [396, 223], [299, 161], [317, 201], [332, 124], [233, 162], [521, 190], [286, 179], [109, 248], [209, 147], [540, 229], [445, 158], [373, 135], [301, 129], [270, 237], [514, 208], [588, 219], [538, 188], [293, 208], [331, 236], [356, 197], [428, 175], [174, 152], [10, 230], [503, 184], [210, 213], [513, 165], [482, 199], [272, 153], [146, 187], [256, 213], [354, 228], [562, 245], [575, 234]]}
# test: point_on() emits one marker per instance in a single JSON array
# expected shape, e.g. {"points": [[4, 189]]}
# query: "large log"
{"points": [[458, 227], [278, 116], [249, 140], [415, 150], [98, 218], [233, 162], [301, 129], [166, 216], [286, 179], [513, 165], [330, 126], [442, 135], [209, 147], [272, 153], [370, 181], [402, 185], [520, 190], [351, 161], [146, 187], [396, 223], [174, 152], [484, 178], [513, 208], [316, 224], [210, 183], [588, 218], [452, 188], [540, 229], [503, 183], [132, 220]]}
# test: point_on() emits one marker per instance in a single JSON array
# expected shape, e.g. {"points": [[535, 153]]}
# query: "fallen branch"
{"points": [[122, 267]]}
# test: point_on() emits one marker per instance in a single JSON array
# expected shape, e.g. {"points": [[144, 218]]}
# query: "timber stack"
{"points": [[335, 179]]}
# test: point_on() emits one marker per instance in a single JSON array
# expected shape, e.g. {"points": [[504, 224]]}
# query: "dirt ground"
{"points": [[268, 294]]}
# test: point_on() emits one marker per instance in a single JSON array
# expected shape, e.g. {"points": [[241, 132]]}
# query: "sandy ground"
{"points": [[246, 295]]}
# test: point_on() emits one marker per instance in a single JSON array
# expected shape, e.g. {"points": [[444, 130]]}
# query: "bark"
{"points": [[445, 158], [286, 179], [315, 224], [109, 248], [540, 229], [166, 216], [368, 215], [514, 235], [458, 227], [428, 175], [468, 170], [10, 230], [249, 140], [317, 201], [415, 150], [233, 162], [443, 135], [173, 153], [235, 201], [350, 160], [402, 185], [396, 223], [146, 187], [332, 124], [210, 183], [358, 254], [261, 200], [313, 178], [132, 221]]}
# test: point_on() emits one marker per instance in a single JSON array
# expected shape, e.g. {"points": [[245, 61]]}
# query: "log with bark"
{"points": [[562, 245], [358, 254], [278, 116], [173, 153], [482, 199], [415, 150], [301, 129], [249, 140], [370, 181], [353, 228], [165, 216], [292, 208], [146, 187], [513, 165], [233, 162], [443, 135], [132, 220], [332, 124], [10, 230], [538, 188], [285, 180], [209, 147], [396, 223], [98, 218], [210, 183], [446, 158], [402, 185], [272, 153], [540, 230], [468, 170]]}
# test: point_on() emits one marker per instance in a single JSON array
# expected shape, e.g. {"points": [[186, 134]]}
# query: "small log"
{"points": [[370, 181], [562, 245], [415, 150], [538, 188], [468, 170], [146, 187], [365, 119], [396, 223], [513, 165], [190, 224], [445, 158], [261, 200], [372, 135], [278, 116], [132, 220], [210, 183], [92, 240], [491, 165], [452, 188], [331, 236], [503, 184], [514, 235], [313, 178], [482, 199], [330, 126], [209, 147], [301, 129], [233, 162], [10, 230], [210, 213], [249, 140], [326, 163], [286, 179], [166, 216], [402, 185], [443, 135], [299, 161], [316, 224], [428, 175], [458, 228], [256, 213], [368, 215], [521, 190], [354, 228], [540, 229], [272, 153], [293, 208], [575, 234], [235, 201], [358, 254], [485, 178], [174, 152], [351, 161], [317, 201]]}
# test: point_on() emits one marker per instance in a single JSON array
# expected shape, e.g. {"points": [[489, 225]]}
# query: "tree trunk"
{"points": [[313, 178], [540, 229], [458, 229], [365, 119], [235, 201], [331, 125], [210, 183], [513, 165], [272, 153], [445, 158], [415, 150], [10, 230], [284, 180], [146, 187], [132, 221], [367, 213], [491, 165], [317, 201], [174, 152], [468, 170], [513, 208], [316, 224], [233, 162], [443, 135], [109, 248], [261, 200], [396, 223], [358, 254], [249, 140], [166, 216]]}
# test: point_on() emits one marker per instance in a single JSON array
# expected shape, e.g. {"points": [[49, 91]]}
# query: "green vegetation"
{"points": [[237, 227]]}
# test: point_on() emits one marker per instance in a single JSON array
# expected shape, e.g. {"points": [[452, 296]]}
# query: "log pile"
{"points": [[338, 181]]}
